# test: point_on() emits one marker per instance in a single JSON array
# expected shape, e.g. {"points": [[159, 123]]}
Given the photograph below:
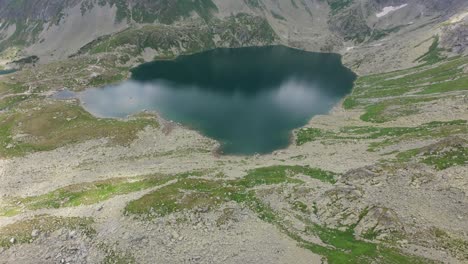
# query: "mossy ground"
{"points": [[46, 125], [389, 96], [76, 73], [88, 193], [235, 31], [382, 98], [442, 155], [22, 231], [191, 193], [339, 246], [185, 194], [395, 95], [385, 136]]}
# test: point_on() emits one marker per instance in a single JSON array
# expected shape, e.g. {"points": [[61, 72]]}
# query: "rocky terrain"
{"points": [[382, 178]]}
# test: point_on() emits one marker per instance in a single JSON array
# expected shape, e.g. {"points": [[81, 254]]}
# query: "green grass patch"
{"points": [[450, 158], [281, 174], [253, 3], [387, 136], [91, 193], [113, 257], [458, 84], [11, 101], [350, 102], [339, 246], [190, 193], [263, 211], [186, 40], [21, 231], [454, 243], [300, 206], [343, 247], [389, 96], [442, 155], [338, 5], [445, 76], [185, 194], [49, 125], [408, 155], [9, 210], [105, 79], [389, 110], [11, 88], [168, 12], [433, 55], [381, 33], [427, 131], [305, 135], [374, 113]]}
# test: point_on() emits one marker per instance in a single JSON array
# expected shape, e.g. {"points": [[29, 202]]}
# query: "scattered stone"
{"points": [[72, 234], [35, 233], [175, 235]]}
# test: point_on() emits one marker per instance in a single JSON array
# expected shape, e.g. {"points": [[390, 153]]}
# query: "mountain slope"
{"points": [[54, 30], [382, 178]]}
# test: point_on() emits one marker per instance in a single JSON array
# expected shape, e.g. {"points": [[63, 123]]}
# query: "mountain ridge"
{"points": [[381, 178], [62, 29]]}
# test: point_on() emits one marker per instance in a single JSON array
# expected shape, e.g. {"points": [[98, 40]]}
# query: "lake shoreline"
{"points": [[310, 88]]}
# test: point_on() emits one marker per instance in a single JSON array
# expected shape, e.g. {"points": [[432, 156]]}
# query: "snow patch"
{"points": [[388, 9]]}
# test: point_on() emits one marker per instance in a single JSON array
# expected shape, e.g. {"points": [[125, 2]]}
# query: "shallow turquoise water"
{"points": [[2, 72], [249, 99]]}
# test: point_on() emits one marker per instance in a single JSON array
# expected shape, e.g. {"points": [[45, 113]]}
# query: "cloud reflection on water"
{"points": [[233, 118], [248, 98]]}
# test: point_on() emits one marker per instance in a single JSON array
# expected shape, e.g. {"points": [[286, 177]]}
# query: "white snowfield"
{"points": [[388, 9]]}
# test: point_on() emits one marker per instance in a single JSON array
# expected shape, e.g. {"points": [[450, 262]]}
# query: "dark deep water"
{"points": [[249, 99]]}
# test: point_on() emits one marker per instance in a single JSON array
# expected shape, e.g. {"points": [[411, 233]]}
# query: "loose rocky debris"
{"points": [[382, 177]]}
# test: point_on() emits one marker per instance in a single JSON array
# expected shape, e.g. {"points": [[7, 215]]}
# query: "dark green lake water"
{"points": [[249, 99]]}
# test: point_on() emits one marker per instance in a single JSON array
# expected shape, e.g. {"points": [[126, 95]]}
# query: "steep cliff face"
{"points": [[26, 23], [455, 34], [33, 9], [57, 29]]}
